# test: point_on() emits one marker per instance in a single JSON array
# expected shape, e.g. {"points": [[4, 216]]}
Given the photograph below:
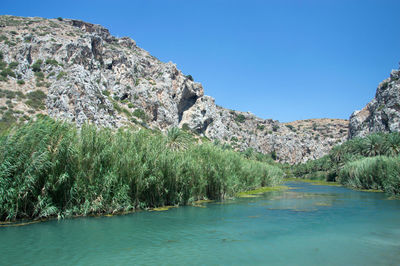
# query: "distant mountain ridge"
{"points": [[78, 71]]}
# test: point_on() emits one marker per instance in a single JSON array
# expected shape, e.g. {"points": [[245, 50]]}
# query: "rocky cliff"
{"points": [[79, 72], [382, 114]]}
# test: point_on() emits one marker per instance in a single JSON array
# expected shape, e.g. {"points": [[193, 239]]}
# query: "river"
{"points": [[305, 225]]}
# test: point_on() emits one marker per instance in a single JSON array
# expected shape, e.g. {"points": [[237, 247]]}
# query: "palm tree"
{"points": [[336, 154], [393, 144], [374, 145], [177, 139]]}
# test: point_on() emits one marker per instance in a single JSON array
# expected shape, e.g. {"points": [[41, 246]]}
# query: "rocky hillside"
{"points": [[382, 114], [79, 72]]}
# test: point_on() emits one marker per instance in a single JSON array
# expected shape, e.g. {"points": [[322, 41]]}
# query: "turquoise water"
{"points": [[308, 225]]}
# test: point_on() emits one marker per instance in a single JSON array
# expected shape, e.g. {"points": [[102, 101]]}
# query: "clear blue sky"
{"points": [[281, 59]]}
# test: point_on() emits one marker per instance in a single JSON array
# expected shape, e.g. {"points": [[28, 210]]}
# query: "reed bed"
{"points": [[50, 168]]}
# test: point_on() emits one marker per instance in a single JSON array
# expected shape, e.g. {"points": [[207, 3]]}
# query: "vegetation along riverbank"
{"points": [[50, 168], [371, 162]]}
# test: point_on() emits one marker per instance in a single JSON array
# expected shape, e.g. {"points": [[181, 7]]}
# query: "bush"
{"points": [[139, 113], [51, 62], [240, 118], [260, 127], [21, 82], [13, 65], [36, 67], [3, 65], [36, 99], [39, 75], [290, 127], [7, 72]]}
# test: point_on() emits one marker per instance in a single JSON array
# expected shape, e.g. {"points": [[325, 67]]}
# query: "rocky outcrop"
{"points": [[382, 114], [88, 75]]}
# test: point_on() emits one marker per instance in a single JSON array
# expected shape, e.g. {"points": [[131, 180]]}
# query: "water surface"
{"points": [[307, 225]]}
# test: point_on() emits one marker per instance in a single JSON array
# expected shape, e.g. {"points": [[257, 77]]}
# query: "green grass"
{"points": [[52, 169]]}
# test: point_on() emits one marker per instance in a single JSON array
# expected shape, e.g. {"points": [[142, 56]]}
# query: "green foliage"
{"points": [[384, 85], [13, 65], [50, 169], [28, 38], [7, 72], [39, 75], [117, 107], [240, 118], [130, 105], [60, 19], [7, 94], [353, 162], [51, 62], [106, 93], [10, 43], [177, 139], [61, 75], [126, 112], [290, 127], [380, 172], [6, 122], [275, 128], [36, 67], [185, 127], [260, 127], [139, 113], [36, 99], [190, 77], [314, 126], [3, 65]]}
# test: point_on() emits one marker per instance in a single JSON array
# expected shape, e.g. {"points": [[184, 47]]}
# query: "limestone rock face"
{"points": [[382, 114], [88, 75]]}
